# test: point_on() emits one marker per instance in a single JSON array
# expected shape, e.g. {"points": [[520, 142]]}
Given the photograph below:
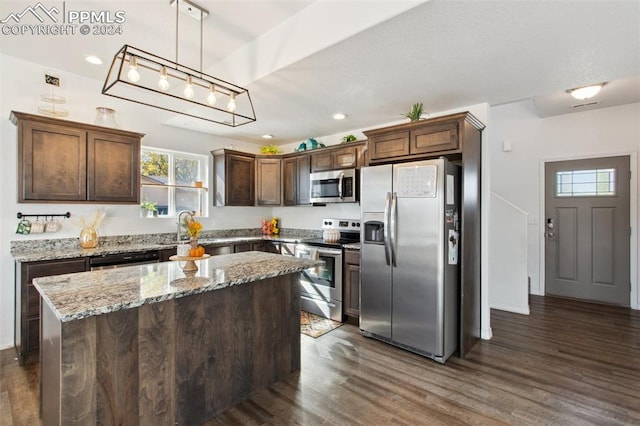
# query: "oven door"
{"points": [[321, 286]]}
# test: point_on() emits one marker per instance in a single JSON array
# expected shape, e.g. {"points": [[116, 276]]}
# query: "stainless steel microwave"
{"points": [[334, 186]]}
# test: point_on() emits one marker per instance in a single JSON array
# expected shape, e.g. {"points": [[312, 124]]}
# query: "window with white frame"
{"points": [[171, 181]]}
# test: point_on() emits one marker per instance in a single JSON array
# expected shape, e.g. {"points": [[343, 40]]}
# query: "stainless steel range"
{"points": [[321, 287]]}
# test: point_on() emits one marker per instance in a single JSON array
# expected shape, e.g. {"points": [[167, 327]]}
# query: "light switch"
{"points": [[506, 145], [532, 220]]}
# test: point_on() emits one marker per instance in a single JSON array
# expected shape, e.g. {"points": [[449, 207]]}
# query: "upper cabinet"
{"points": [[421, 139], [296, 182], [268, 181], [65, 161], [340, 157], [234, 178]]}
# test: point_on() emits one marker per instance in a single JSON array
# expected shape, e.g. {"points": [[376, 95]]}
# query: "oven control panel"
{"points": [[349, 225]]}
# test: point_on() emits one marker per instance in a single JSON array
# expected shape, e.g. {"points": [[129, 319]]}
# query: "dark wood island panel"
{"points": [[179, 361]]}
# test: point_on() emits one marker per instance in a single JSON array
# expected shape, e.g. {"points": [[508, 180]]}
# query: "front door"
{"points": [[587, 229]]}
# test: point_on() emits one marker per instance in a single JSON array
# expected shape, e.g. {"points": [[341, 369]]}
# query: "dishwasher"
{"points": [[107, 261]]}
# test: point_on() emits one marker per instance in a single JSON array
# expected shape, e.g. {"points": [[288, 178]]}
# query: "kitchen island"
{"points": [[150, 344]]}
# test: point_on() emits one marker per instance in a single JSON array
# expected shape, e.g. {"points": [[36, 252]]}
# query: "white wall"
{"points": [[516, 176], [508, 257]]}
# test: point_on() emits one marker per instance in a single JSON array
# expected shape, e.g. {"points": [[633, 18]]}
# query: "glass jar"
{"points": [[106, 117], [193, 242], [88, 237]]}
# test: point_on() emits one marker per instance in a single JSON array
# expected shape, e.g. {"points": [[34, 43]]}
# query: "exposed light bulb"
{"points": [[211, 99], [133, 74], [163, 84], [231, 106], [188, 88]]}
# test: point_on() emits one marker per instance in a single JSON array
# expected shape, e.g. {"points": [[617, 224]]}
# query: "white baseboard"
{"points": [[524, 310]]}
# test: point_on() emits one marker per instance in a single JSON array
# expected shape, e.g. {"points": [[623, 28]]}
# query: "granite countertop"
{"points": [[85, 294], [52, 253]]}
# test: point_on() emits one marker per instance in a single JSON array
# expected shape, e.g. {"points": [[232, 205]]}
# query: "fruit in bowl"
{"points": [[196, 252]]}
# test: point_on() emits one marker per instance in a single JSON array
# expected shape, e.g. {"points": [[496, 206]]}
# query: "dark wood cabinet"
{"points": [[27, 315], [241, 247], [457, 137], [234, 177], [268, 181], [266, 246], [65, 161], [215, 250], [296, 182], [108, 157], [351, 281], [165, 254], [334, 158]]}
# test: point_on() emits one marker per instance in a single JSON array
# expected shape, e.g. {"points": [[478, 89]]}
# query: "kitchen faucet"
{"points": [[180, 213]]}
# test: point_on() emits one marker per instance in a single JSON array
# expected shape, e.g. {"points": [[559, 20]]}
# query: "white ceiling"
{"points": [[303, 60]]}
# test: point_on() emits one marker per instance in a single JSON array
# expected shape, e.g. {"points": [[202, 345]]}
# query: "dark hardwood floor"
{"points": [[568, 363]]}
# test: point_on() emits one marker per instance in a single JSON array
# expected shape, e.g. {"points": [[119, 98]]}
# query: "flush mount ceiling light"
{"points": [[267, 136], [148, 79], [93, 60], [339, 116], [586, 92]]}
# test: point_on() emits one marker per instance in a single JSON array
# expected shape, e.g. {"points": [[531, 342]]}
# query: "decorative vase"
{"points": [[106, 117], [88, 237], [193, 242]]}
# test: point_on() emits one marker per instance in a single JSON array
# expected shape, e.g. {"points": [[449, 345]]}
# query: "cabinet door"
{"points": [[435, 138], [114, 168], [52, 163], [268, 181], [352, 284], [321, 161], [290, 181], [304, 180], [239, 180], [165, 254], [29, 338], [388, 146], [345, 158]]}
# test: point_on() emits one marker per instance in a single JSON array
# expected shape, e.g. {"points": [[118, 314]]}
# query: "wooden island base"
{"points": [[177, 362]]}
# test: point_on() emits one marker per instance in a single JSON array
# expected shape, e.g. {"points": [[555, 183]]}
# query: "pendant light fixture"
{"points": [[148, 79]]}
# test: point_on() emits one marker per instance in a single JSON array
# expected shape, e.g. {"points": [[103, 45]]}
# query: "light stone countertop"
{"points": [[84, 294], [51, 253]]}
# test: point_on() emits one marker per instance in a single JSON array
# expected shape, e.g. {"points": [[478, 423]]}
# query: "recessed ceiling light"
{"points": [[339, 116], [93, 60], [586, 92], [267, 136]]}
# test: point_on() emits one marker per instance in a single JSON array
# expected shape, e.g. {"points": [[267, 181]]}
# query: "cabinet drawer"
{"points": [[217, 250], [435, 138], [389, 145], [352, 257], [33, 301], [56, 267], [239, 248]]}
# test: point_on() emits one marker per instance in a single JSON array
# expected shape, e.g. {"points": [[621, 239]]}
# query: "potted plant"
{"points": [[348, 138], [151, 207], [416, 112], [270, 149]]}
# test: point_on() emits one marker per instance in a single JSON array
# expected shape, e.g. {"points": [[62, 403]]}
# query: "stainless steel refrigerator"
{"points": [[409, 266]]}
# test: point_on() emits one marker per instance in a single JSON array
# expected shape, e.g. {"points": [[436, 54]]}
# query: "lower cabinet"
{"points": [[27, 319], [266, 246], [214, 250], [351, 282]]}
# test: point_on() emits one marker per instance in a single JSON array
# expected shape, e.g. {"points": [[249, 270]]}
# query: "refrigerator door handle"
{"points": [[387, 238], [341, 179], [393, 222]]}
